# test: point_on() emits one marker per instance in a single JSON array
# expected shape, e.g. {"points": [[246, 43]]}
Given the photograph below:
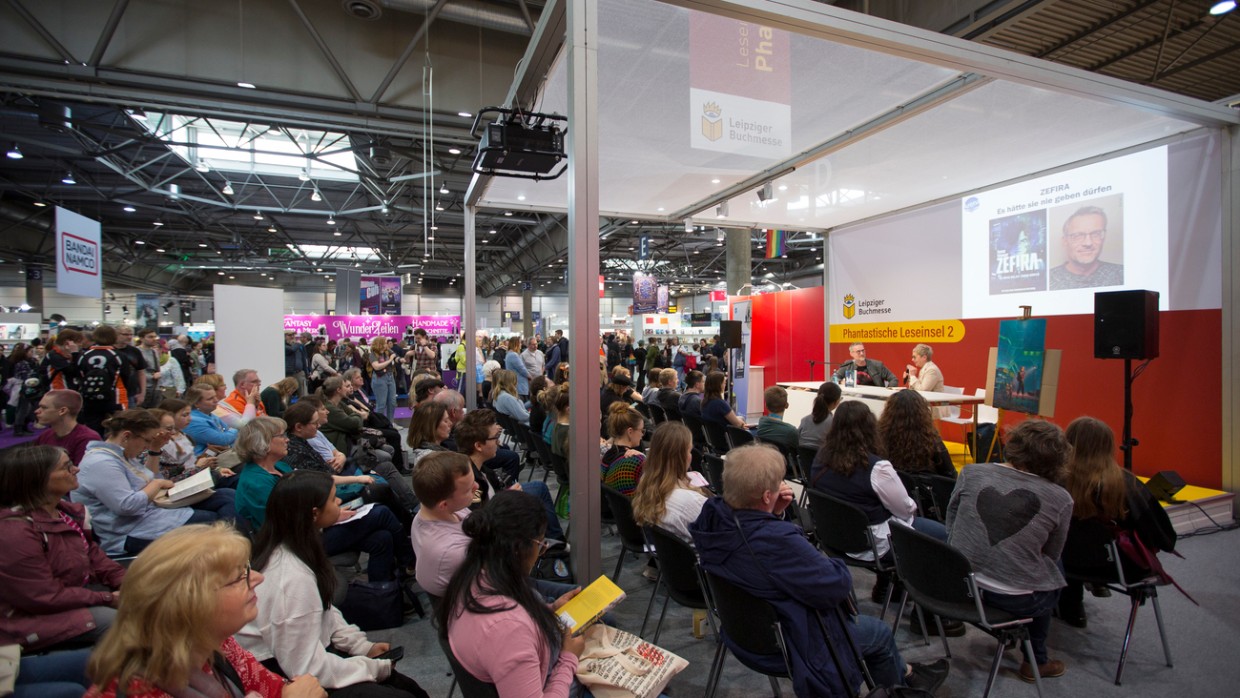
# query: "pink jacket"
{"points": [[44, 570], [507, 649]]}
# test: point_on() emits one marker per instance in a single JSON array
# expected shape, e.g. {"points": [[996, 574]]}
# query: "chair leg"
{"points": [[452, 688], [650, 605], [658, 627], [921, 616], [1033, 663], [895, 624], [1162, 632], [1132, 620], [887, 600], [775, 687], [994, 669], [619, 562], [938, 623], [716, 668]]}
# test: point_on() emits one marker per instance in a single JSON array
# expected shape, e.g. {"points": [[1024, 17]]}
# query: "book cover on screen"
{"points": [[588, 606], [1017, 246]]}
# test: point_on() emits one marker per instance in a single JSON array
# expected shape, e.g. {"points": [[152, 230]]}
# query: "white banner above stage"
{"points": [[78, 259]]}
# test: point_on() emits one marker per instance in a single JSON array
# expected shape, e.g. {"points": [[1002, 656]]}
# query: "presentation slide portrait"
{"points": [[1088, 247]]}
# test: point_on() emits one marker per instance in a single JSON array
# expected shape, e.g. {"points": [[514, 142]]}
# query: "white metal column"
{"points": [[469, 312]]}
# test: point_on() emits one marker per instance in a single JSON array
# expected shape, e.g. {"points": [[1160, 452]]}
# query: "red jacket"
{"points": [[44, 569], [255, 678]]}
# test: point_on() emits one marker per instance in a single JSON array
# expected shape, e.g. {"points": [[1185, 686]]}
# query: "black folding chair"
{"points": [[657, 413], [1091, 556], [737, 436], [805, 459], [842, 531], [716, 437], [747, 622], [632, 540], [940, 580], [679, 577], [471, 686], [714, 471], [698, 431]]}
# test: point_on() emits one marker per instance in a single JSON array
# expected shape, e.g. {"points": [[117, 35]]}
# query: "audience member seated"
{"points": [[815, 425], [205, 428], [262, 445], [619, 389], [772, 427], [185, 598], [52, 675], [654, 379], [848, 467], [216, 382], [664, 496], [910, 440], [622, 463], [538, 412], [478, 438], [297, 630], [177, 454], [560, 426], [118, 484], [1104, 495], [445, 485], [424, 387], [715, 408], [274, 398], [376, 425], [51, 561], [244, 402], [1011, 520], [429, 428], [344, 424], [741, 538], [58, 411], [668, 396], [497, 626], [504, 396], [691, 400]]}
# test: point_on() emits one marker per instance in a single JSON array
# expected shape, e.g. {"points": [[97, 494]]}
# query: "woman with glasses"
{"points": [[49, 558], [498, 627], [185, 597], [119, 483], [262, 445], [297, 630]]}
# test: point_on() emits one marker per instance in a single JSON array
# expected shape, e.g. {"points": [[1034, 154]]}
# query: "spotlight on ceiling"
{"points": [[316, 196], [14, 153], [228, 189], [68, 178], [1222, 7]]}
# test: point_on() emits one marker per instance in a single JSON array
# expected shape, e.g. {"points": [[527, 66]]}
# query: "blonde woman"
{"points": [[380, 359], [504, 396], [664, 496], [275, 396], [185, 597]]}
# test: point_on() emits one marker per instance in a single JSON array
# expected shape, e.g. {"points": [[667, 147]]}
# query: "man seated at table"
{"points": [[869, 372], [772, 427], [741, 538], [58, 411]]}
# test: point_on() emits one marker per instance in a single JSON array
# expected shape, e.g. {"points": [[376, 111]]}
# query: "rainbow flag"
{"points": [[776, 243]]}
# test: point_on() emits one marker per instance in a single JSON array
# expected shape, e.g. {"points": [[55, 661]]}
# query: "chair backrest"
{"points": [[543, 448], [791, 459], [716, 437], [841, 527], [622, 512], [678, 565], [1089, 552], [559, 466], [714, 471], [985, 413], [643, 408], [953, 411], [749, 622], [940, 489], [935, 573], [471, 686], [697, 429], [805, 459], [658, 413], [737, 437], [920, 494]]}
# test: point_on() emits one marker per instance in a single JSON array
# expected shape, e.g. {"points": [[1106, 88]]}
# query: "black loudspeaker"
{"points": [[1126, 325], [730, 333], [1165, 484]]}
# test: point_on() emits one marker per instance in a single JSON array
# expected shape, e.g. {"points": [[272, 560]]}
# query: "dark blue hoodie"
{"points": [[780, 566]]}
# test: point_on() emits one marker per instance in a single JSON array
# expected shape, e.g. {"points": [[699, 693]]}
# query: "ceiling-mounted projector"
{"points": [[519, 144]]}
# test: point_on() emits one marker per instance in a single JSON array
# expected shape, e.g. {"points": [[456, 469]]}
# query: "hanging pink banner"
{"points": [[338, 327]]}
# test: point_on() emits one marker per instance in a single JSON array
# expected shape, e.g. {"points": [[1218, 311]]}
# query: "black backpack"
{"points": [[98, 384]]}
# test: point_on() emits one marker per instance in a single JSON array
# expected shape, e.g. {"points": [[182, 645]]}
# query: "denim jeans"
{"points": [[539, 489], [385, 395], [1037, 606], [878, 647], [378, 534], [53, 675]]}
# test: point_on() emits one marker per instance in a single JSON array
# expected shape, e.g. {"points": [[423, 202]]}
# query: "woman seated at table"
{"points": [[297, 630], [262, 445], [185, 597], [1104, 495], [205, 428], [664, 496], [909, 438], [496, 625], [49, 561], [119, 483], [623, 460], [715, 408], [275, 397], [504, 396]]}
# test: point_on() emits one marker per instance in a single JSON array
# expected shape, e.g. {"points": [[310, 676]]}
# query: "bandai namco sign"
{"points": [[78, 258]]}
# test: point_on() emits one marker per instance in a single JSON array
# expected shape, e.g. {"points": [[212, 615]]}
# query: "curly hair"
{"points": [[906, 431], [1038, 447]]}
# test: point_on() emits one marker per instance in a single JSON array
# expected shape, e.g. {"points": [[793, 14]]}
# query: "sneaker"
{"points": [[928, 677], [951, 626], [1051, 669], [651, 573]]}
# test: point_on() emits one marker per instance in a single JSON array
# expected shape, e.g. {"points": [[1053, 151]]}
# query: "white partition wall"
{"points": [[249, 331]]}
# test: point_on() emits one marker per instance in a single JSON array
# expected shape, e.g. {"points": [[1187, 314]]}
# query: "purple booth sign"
{"points": [[338, 327]]}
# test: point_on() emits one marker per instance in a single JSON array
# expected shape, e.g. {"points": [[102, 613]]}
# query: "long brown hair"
{"points": [[1093, 477], [666, 468], [907, 432], [850, 441]]}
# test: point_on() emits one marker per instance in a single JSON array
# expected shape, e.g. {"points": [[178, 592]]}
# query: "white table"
{"points": [[801, 399]]}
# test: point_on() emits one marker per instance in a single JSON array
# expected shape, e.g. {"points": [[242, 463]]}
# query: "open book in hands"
{"points": [[585, 608]]}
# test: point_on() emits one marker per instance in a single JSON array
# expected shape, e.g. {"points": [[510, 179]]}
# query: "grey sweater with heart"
{"points": [[1011, 525]]}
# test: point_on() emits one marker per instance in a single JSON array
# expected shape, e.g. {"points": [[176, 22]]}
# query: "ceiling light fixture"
{"points": [[228, 190], [454, 151], [304, 175], [130, 209], [271, 229], [202, 244], [15, 153], [258, 215], [331, 220], [159, 249], [443, 189], [40, 204], [721, 211], [492, 231], [247, 85], [158, 224], [464, 115], [202, 166], [68, 178], [316, 196], [1222, 7], [138, 242]]}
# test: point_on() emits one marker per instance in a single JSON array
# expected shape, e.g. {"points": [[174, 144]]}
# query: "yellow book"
{"points": [[588, 606]]}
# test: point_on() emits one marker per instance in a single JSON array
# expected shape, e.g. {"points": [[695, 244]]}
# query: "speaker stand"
{"points": [[811, 368], [1128, 443]]}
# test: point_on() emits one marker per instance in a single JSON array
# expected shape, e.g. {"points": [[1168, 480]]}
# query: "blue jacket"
{"points": [[206, 429], [513, 362], [780, 566], [554, 357]]}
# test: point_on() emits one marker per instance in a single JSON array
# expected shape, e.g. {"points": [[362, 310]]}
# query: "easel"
{"points": [[1051, 359]]}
